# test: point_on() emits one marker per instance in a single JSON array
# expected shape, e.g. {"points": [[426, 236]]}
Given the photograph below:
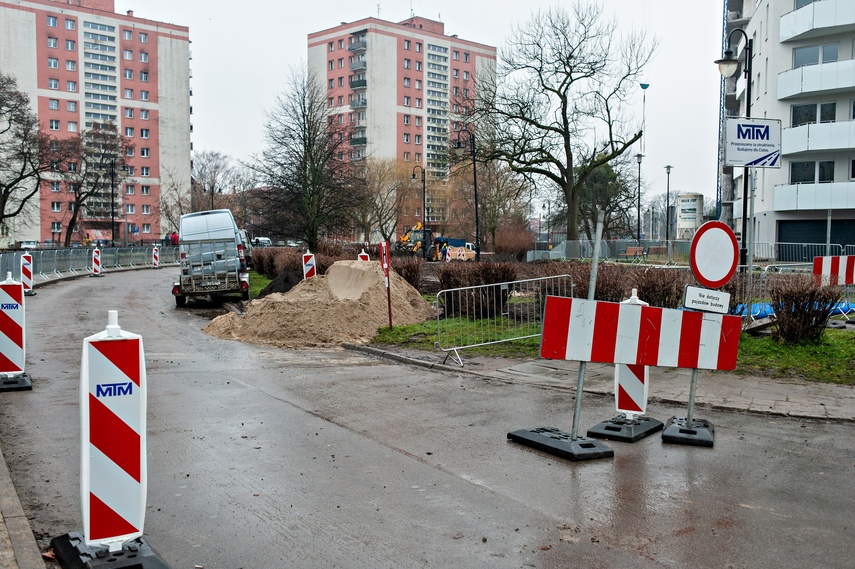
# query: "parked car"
{"points": [[262, 242], [29, 244]]}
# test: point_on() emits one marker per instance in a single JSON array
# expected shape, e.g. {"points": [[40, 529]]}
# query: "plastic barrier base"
{"points": [[700, 433], [96, 274], [20, 382], [72, 553], [29, 293], [559, 443], [624, 430]]}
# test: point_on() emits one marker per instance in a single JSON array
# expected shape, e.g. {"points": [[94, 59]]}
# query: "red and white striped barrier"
{"points": [[609, 332], [96, 263], [631, 385], [27, 273], [363, 256], [155, 258], [309, 269], [113, 424], [13, 331], [834, 270]]}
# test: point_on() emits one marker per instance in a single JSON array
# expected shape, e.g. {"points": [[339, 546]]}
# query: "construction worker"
{"points": [[444, 251]]}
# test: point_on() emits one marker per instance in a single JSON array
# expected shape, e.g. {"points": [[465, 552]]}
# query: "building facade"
{"points": [[803, 73], [82, 64], [405, 89]]}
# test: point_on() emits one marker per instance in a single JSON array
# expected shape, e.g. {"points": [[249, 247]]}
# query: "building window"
{"points": [[852, 171], [331, 64], [406, 81], [341, 44], [466, 76], [466, 58], [330, 47], [825, 171], [406, 101], [407, 44], [407, 157], [56, 226], [419, 157], [144, 114], [418, 66], [53, 104], [145, 190], [406, 64], [146, 228], [71, 106], [52, 42], [455, 56], [146, 209], [52, 63], [143, 95], [131, 171], [145, 152], [456, 73], [144, 57], [55, 207], [418, 139], [54, 124], [53, 83], [127, 35], [418, 103], [809, 172], [814, 54], [51, 21], [129, 189], [807, 114], [340, 100], [72, 166], [129, 208], [330, 103], [144, 132], [128, 73], [71, 86], [128, 55], [129, 131], [72, 126], [418, 46], [129, 93], [406, 119], [331, 84], [455, 91], [418, 84], [55, 186], [143, 37], [418, 121], [406, 138], [341, 63], [70, 45], [129, 113], [70, 65]]}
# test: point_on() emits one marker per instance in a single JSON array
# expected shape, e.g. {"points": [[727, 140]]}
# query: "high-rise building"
{"points": [[82, 65], [405, 88], [803, 73]]}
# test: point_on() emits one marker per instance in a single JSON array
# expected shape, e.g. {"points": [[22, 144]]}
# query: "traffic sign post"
{"points": [[384, 257], [13, 337], [309, 269], [631, 386], [27, 274], [113, 469], [96, 263], [155, 257]]}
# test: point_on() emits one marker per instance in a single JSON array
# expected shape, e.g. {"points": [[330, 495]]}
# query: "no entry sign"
{"points": [[714, 254]]}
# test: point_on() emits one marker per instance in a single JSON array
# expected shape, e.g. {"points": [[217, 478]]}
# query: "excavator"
{"points": [[413, 240], [417, 237]]}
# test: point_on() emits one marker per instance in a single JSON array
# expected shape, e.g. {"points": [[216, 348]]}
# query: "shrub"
{"points": [[802, 309], [513, 241], [410, 268]]}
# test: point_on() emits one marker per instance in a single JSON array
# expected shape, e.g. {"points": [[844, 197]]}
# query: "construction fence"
{"points": [[54, 263]]}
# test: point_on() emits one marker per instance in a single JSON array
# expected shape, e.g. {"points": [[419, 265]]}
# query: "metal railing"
{"points": [[489, 314], [54, 263]]}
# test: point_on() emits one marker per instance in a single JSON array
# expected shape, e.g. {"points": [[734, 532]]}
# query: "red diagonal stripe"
{"points": [[556, 320], [114, 438], [6, 365], [627, 403], [104, 523], [12, 329], [124, 354], [15, 292]]}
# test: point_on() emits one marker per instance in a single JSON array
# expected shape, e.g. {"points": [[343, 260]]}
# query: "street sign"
{"points": [[706, 299], [714, 254], [752, 142]]}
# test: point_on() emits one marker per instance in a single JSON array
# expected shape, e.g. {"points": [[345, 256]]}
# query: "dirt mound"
{"points": [[347, 304], [286, 280]]}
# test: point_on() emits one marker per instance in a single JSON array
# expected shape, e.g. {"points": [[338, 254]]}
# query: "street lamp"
{"points": [[424, 208], [459, 149], [211, 189], [638, 158], [667, 203], [548, 207], [727, 66], [113, 200]]}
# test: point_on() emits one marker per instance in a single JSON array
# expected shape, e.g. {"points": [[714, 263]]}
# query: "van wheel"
{"points": [[244, 295], [180, 300]]}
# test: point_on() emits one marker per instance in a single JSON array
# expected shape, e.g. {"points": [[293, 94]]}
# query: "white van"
{"points": [[211, 254]]}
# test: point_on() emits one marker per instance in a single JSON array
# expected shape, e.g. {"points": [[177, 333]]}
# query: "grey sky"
{"points": [[242, 53]]}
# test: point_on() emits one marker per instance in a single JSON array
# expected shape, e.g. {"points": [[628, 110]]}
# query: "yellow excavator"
{"points": [[414, 239]]}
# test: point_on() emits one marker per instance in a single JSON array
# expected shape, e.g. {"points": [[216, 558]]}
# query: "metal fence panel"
{"points": [[489, 314], [53, 263]]}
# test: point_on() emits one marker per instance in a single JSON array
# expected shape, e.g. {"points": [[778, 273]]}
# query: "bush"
{"points": [[802, 309], [514, 242], [410, 269]]}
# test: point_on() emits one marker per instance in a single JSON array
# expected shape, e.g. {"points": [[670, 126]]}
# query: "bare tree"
{"points": [[211, 175], [382, 180], [174, 202], [26, 153], [555, 110], [305, 164]]}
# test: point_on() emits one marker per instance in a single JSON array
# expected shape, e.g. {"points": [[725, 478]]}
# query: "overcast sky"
{"points": [[242, 53]]}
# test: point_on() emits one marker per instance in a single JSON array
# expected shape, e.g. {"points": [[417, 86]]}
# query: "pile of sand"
{"points": [[347, 304]]}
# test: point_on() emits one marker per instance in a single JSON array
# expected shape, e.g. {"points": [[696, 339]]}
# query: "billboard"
{"points": [[752, 142]]}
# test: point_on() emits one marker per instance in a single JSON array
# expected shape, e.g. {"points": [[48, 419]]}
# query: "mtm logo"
{"points": [[9, 306], [752, 132], [113, 389]]}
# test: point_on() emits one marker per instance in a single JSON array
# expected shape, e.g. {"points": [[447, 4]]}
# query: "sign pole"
{"points": [[384, 253]]}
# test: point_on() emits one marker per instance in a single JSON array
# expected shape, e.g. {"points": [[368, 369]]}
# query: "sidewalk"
{"points": [[716, 389], [18, 548]]}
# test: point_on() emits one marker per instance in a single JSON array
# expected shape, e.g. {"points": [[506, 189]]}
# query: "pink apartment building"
{"points": [[403, 88], [81, 64]]}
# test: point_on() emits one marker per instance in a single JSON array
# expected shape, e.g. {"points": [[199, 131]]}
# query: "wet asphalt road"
{"points": [[262, 457]]}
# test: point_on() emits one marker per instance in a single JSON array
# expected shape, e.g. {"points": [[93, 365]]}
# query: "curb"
{"points": [[25, 550]]}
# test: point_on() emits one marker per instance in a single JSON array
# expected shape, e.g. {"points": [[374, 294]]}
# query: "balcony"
{"points": [[821, 79], [359, 104], [820, 137], [825, 196], [357, 65], [359, 84], [358, 141], [357, 46], [818, 19]]}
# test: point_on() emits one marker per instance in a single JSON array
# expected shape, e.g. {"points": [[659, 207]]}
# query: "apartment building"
{"points": [[83, 64], [803, 73], [404, 88]]}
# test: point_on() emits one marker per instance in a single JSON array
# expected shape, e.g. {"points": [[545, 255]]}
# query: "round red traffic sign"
{"points": [[714, 254]]}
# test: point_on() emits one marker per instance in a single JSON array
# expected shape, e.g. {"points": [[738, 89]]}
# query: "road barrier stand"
{"points": [[309, 269], [155, 257], [113, 473], [631, 387], [13, 337], [27, 274], [96, 263], [363, 256]]}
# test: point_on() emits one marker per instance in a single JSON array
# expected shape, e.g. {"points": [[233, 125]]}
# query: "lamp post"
{"points": [[113, 200], [727, 66], [459, 150], [638, 158], [211, 189], [548, 208], [424, 207]]}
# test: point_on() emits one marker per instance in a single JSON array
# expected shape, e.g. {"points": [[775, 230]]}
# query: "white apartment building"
{"points": [[803, 73]]}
